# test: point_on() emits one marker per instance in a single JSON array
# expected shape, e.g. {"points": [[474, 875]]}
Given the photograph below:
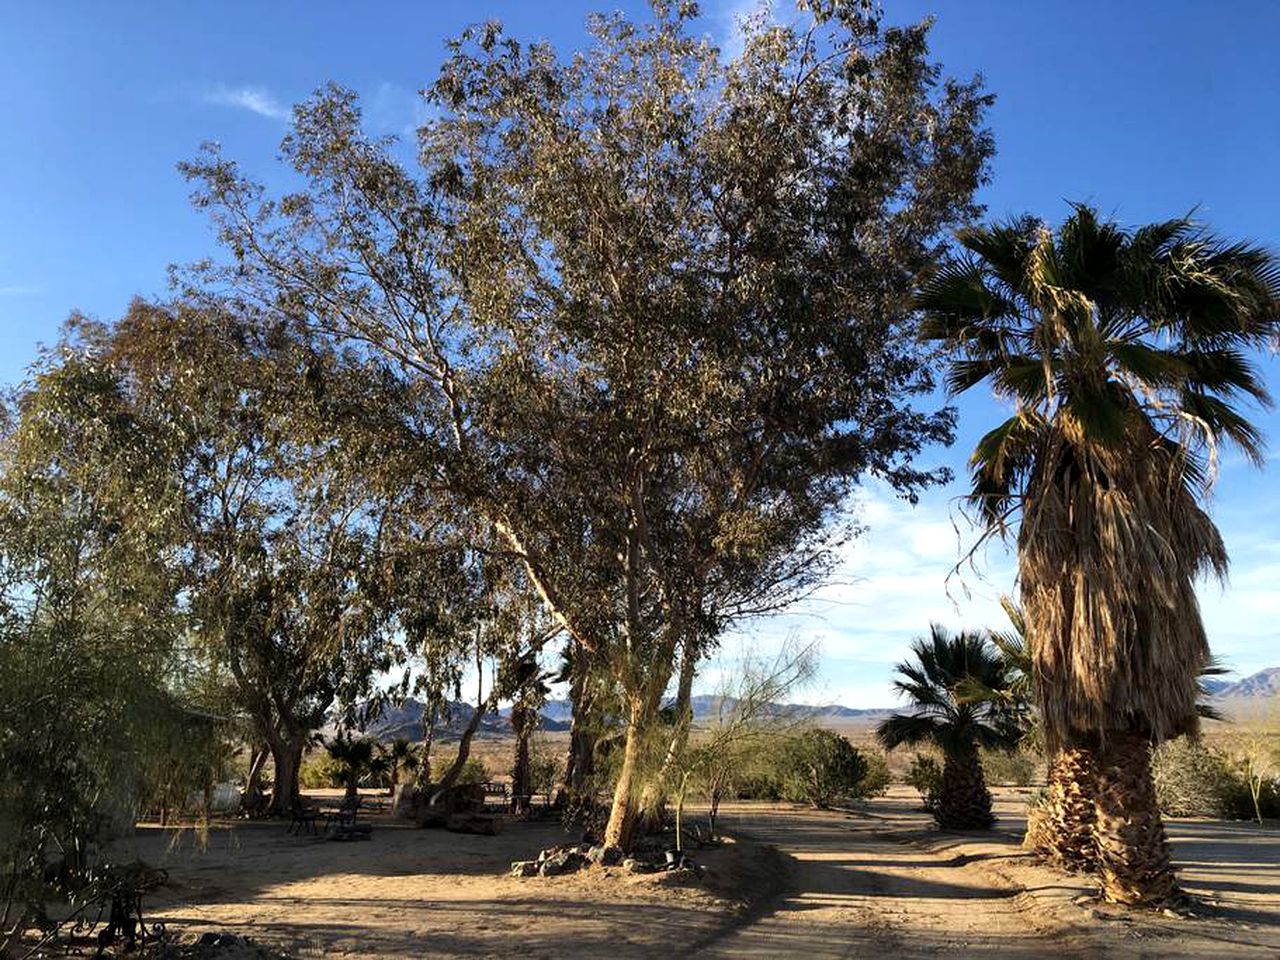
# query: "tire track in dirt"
{"points": [[856, 889]]}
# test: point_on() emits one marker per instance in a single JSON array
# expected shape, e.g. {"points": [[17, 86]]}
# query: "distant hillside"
{"points": [[406, 720], [1263, 685]]}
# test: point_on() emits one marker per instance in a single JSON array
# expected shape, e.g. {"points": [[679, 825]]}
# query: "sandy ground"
{"points": [[880, 881], [875, 881]]}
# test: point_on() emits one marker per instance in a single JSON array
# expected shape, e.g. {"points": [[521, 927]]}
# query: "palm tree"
{"points": [[355, 758], [1123, 356], [399, 756], [955, 724]]}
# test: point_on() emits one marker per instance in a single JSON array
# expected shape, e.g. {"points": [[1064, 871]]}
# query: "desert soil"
{"points": [[877, 881]]}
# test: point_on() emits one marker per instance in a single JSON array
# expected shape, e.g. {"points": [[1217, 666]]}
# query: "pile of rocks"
{"points": [[556, 861]]}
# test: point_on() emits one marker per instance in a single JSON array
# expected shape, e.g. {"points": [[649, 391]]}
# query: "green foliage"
{"points": [[822, 767], [1194, 780], [322, 772], [641, 318], [473, 771], [943, 669], [875, 782], [925, 774], [546, 767], [1016, 767]]}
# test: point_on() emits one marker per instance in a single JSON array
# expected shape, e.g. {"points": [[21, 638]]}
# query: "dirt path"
{"points": [[881, 883], [860, 888]]}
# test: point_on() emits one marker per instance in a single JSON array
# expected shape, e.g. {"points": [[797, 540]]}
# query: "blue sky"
{"points": [[1144, 108]]}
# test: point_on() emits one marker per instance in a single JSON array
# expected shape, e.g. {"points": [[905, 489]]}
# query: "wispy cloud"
{"points": [[897, 578], [394, 109], [254, 99], [18, 290]]}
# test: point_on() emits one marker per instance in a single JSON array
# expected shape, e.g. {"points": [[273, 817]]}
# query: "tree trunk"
{"points": [[1133, 852], [464, 751], [964, 803], [1062, 831], [580, 764], [286, 752], [655, 794], [523, 721], [428, 735], [257, 761], [622, 816]]}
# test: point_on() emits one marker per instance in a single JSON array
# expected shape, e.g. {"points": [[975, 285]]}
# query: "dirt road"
{"points": [[879, 883]]}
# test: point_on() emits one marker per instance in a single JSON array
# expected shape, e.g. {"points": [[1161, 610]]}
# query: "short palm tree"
{"points": [[1123, 355], [399, 756], [355, 758], [955, 724]]}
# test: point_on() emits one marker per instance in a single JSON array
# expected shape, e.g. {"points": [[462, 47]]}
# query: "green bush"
{"points": [[877, 779], [321, 772], [925, 774], [823, 767], [473, 771], [1018, 767]]}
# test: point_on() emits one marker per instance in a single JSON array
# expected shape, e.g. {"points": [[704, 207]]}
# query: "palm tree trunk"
{"points": [[1063, 831], [964, 803], [1133, 852]]}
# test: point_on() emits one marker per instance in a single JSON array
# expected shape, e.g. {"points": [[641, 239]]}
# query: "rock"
{"points": [[524, 868], [604, 856], [632, 865], [566, 861]]}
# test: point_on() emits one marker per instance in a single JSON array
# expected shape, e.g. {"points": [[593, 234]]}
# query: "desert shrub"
{"points": [[1237, 797], [1191, 779], [823, 767], [545, 770], [877, 778], [1002, 766], [321, 772], [473, 771], [925, 774], [758, 785]]}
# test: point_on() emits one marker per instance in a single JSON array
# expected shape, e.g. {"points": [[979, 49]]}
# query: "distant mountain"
{"points": [[406, 721], [1262, 685], [708, 707]]}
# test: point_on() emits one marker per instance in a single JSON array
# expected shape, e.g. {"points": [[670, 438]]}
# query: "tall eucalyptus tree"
{"points": [[652, 302]]}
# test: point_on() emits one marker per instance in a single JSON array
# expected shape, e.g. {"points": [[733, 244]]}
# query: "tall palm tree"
{"points": [[955, 724], [1123, 354]]}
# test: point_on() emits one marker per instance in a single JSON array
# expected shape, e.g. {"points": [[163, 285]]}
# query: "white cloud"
{"points": [[899, 576], [394, 109], [254, 99], [18, 290]]}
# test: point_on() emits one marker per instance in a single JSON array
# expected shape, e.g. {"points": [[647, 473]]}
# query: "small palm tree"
{"points": [[1122, 355], [355, 757], [399, 756], [955, 724]]}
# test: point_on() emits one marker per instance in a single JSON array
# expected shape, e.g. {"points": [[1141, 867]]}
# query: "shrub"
{"points": [[473, 771], [876, 781], [321, 772], [1017, 767], [1191, 780], [925, 774], [823, 767], [545, 771]]}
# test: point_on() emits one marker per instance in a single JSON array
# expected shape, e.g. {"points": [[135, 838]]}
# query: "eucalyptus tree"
{"points": [[93, 688], [1124, 356], [278, 549], [652, 303]]}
